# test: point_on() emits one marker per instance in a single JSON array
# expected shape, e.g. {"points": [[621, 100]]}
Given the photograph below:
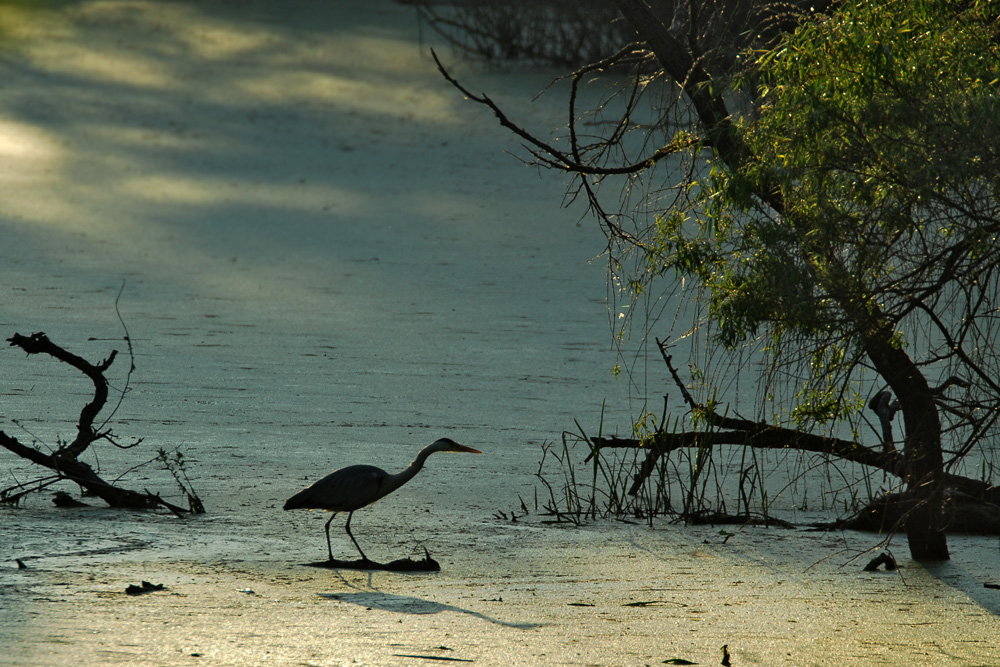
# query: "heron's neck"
{"points": [[399, 479], [393, 482]]}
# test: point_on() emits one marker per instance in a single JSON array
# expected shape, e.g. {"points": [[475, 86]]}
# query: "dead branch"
{"points": [[64, 461], [39, 343], [724, 430], [550, 156]]}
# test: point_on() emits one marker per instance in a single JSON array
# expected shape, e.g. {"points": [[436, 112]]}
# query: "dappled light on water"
{"points": [[26, 150], [125, 124]]}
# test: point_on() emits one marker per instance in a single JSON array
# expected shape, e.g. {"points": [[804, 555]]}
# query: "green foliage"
{"points": [[873, 119], [866, 193]]}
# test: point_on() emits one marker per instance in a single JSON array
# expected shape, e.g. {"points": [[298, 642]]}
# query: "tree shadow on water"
{"points": [[985, 592], [404, 604]]}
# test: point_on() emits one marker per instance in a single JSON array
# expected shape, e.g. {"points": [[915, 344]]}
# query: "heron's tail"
{"points": [[298, 501]]}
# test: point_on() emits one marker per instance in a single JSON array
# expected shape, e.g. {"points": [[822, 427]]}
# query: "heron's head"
{"points": [[449, 445]]}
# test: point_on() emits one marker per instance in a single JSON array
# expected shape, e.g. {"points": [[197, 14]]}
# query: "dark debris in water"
{"points": [[882, 559], [146, 587], [425, 564]]}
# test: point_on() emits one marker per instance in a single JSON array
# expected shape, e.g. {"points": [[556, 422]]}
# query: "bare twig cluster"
{"points": [[563, 33]]}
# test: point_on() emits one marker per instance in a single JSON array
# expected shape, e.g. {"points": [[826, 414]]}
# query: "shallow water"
{"points": [[328, 259]]}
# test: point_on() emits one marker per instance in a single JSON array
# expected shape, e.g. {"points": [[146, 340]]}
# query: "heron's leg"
{"points": [[329, 549], [347, 527]]}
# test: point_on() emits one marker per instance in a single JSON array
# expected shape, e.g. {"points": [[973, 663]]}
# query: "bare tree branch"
{"points": [[549, 155], [64, 462]]}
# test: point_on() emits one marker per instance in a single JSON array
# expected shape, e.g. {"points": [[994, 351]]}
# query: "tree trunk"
{"points": [[921, 448]]}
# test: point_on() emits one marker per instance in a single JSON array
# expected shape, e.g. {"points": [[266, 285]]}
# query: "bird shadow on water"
{"points": [[403, 604]]}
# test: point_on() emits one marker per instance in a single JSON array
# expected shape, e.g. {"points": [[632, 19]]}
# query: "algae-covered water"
{"points": [[328, 259]]}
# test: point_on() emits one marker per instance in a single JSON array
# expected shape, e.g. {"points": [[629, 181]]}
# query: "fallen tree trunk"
{"points": [[725, 430], [971, 506], [753, 434], [961, 513]]}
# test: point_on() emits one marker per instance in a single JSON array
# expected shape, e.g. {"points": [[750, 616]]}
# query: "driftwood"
{"points": [[64, 462], [425, 564], [144, 588], [882, 559]]}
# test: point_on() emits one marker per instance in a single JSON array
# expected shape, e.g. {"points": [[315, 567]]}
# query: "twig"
{"points": [[551, 156], [128, 375]]}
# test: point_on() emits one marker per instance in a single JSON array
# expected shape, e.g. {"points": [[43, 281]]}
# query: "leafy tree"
{"points": [[862, 223], [832, 194]]}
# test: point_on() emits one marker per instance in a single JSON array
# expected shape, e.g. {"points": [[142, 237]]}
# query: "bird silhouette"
{"points": [[354, 487]]}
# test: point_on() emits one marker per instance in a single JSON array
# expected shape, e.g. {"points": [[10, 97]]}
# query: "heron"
{"points": [[354, 487]]}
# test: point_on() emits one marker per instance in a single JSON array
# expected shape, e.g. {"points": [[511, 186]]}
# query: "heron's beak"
{"points": [[463, 448]]}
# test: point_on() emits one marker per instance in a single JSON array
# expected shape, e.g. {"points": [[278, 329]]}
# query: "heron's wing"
{"points": [[343, 490]]}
